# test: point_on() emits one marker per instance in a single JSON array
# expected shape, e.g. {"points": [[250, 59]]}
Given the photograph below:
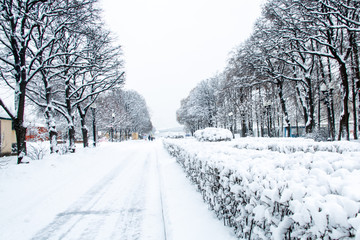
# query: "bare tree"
{"points": [[286, 61], [18, 22], [124, 112], [103, 73]]}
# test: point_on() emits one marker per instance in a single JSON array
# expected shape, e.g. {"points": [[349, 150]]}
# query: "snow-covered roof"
{"points": [[39, 123], [3, 114], [7, 96]]}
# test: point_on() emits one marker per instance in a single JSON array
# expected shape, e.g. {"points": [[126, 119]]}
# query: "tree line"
{"points": [[300, 67], [58, 56], [128, 113]]}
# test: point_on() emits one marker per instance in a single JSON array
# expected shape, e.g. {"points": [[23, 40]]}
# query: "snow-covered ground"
{"points": [[264, 188], [130, 190]]}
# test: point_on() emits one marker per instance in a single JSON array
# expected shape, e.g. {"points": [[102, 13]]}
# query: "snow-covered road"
{"points": [[130, 190]]}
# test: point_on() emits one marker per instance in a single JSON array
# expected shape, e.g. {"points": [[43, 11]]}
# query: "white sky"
{"points": [[170, 46]]}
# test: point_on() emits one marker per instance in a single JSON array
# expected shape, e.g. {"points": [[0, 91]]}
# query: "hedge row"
{"points": [[259, 205], [296, 145]]}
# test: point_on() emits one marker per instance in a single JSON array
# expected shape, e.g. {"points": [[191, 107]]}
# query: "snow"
{"points": [[3, 114], [265, 187], [129, 190], [281, 187], [175, 135], [196, 219], [213, 135]]}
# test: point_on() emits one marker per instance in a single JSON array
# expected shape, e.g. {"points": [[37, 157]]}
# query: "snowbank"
{"points": [[213, 135], [291, 145], [175, 135], [277, 193]]}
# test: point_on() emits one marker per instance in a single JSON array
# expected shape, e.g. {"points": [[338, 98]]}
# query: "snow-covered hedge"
{"points": [[213, 135], [291, 145], [175, 135], [271, 195]]}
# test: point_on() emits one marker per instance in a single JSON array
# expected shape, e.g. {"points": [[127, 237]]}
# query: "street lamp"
{"points": [[93, 110], [267, 106], [112, 125], [331, 91], [327, 91]]}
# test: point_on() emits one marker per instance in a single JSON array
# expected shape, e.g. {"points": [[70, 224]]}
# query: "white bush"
{"points": [[264, 193], [37, 150], [175, 135], [213, 135]]}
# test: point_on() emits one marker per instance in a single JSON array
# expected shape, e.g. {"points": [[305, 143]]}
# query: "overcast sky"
{"points": [[170, 46]]}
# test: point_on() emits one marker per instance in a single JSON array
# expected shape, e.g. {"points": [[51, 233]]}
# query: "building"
{"points": [[135, 136], [7, 135], [36, 132]]}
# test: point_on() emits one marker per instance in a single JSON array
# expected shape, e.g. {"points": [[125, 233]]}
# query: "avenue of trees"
{"points": [[57, 56], [122, 112], [298, 70]]}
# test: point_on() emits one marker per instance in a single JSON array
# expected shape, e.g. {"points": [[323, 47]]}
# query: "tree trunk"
{"points": [[283, 106], [49, 118], [19, 121], [319, 105], [85, 136], [355, 79], [52, 130], [354, 108], [53, 141], [18, 45], [94, 127], [328, 98], [331, 103], [250, 124], [20, 139], [243, 125], [70, 119], [84, 129], [309, 127], [305, 112], [297, 128], [235, 125], [71, 131], [344, 86], [344, 118], [330, 118]]}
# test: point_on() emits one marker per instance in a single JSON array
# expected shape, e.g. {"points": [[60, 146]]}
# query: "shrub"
{"points": [[270, 195], [213, 135], [37, 150], [175, 135]]}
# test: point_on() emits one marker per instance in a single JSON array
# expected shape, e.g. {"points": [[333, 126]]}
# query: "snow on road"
{"points": [[130, 190]]}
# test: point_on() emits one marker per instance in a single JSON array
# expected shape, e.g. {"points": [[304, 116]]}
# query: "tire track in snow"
{"points": [[161, 193], [128, 225], [83, 210]]}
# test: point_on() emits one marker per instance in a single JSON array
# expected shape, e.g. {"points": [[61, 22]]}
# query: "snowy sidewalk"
{"points": [[130, 190], [186, 215]]}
